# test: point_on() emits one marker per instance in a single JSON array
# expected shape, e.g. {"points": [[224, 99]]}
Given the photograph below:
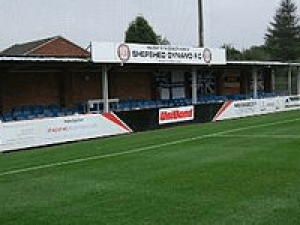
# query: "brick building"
{"points": [[48, 71], [49, 47]]}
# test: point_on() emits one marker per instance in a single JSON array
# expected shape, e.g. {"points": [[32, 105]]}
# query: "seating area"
{"points": [[39, 111], [136, 104], [260, 95]]}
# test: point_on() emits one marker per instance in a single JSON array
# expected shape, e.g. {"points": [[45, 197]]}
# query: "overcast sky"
{"points": [[238, 22]]}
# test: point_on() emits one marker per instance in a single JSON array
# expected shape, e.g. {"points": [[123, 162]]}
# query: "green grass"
{"points": [[247, 173]]}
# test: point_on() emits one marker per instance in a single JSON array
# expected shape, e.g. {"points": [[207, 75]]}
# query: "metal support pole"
{"points": [[298, 81], [105, 88], [254, 77], [200, 20], [290, 81], [194, 86], [273, 80]]}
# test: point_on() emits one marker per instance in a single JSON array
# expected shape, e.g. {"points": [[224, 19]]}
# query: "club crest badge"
{"points": [[207, 56], [124, 52]]}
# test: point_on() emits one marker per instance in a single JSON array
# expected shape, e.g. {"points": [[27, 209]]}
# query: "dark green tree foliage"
{"points": [[139, 31], [232, 53], [282, 39], [256, 53], [162, 41]]}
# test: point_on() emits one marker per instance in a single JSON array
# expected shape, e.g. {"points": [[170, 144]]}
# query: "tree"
{"points": [[282, 39], [258, 53], [162, 41], [139, 31], [231, 52]]}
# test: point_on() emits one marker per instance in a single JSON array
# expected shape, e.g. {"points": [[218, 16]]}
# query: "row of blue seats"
{"points": [[260, 95], [33, 112], [161, 103], [142, 104], [39, 111], [211, 98]]}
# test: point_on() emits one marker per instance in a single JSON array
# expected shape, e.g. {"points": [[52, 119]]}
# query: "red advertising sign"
{"points": [[174, 115]]}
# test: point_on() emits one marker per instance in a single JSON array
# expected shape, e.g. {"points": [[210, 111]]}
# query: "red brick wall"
{"points": [[22, 89], [81, 87], [65, 89], [131, 85]]}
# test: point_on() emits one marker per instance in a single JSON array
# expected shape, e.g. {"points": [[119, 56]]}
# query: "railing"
{"points": [[96, 105]]}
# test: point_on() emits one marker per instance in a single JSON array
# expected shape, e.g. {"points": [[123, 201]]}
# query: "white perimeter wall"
{"points": [[253, 107], [33, 133]]}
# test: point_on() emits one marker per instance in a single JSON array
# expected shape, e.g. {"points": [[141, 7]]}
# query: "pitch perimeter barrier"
{"points": [[149, 119], [251, 107], [34, 133]]}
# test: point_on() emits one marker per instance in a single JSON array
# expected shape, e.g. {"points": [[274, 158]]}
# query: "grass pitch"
{"points": [[243, 171]]}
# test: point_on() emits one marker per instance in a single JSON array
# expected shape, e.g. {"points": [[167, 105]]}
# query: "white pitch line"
{"points": [[277, 136], [74, 161]]}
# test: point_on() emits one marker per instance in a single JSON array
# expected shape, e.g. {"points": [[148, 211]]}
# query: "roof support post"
{"points": [[298, 80], [254, 78], [273, 79], [105, 88], [290, 80], [194, 86]]}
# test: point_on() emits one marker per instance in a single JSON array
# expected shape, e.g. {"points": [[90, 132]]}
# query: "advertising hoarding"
{"points": [[175, 115], [33, 133], [251, 107], [137, 53]]}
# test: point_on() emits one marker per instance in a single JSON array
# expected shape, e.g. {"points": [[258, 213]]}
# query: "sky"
{"points": [[241, 23]]}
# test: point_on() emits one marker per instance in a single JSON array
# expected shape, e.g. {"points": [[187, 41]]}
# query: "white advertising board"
{"points": [[253, 107], [156, 54], [33, 133], [175, 115]]}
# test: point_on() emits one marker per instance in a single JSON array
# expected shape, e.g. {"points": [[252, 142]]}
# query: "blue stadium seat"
{"points": [[8, 117], [80, 108], [124, 106], [61, 113], [69, 112], [159, 103], [40, 115], [30, 117]]}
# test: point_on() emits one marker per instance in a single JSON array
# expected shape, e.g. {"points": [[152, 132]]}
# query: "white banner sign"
{"points": [[175, 115], [253, 107], [136, 53], [33, 133]]}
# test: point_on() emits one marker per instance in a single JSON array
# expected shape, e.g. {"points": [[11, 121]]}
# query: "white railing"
{"points": [[96, 105]]}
